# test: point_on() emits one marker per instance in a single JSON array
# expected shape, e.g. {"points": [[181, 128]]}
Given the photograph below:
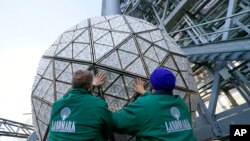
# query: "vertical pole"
{"points": [[230, 10], [165, 10], [110, 7], [215, 88], [220, 64], [159, 20]]}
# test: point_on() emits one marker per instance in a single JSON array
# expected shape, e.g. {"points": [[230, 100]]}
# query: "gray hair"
{"points": [[82, 79]]}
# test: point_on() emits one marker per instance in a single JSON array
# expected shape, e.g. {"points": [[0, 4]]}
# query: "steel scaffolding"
{"points": [[215, 36]]}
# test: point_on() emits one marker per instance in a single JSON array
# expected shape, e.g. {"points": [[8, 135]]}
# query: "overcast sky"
{"points": [[27, 29]]}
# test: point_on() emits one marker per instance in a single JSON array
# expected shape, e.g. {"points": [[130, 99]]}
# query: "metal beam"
{"points": [[33, 137], [215, 128], [245, 28], [244, 92], [197, 30], [110, 7], [192, 37], [230, 11], [159, 20], [216, 20], [241, 82], [165, 10], [224, 119], [214, 35], [247, 2], [215, 88], [243, 79], [177, 13], [238, 49], [230, 97], [15, 129]]}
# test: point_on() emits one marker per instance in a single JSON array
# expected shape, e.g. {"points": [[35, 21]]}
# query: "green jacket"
{"points": [[80, 116], [155, 117]]}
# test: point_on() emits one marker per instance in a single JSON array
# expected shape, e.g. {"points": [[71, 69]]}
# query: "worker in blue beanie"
{"points": [[162, 80], [156, 116]]}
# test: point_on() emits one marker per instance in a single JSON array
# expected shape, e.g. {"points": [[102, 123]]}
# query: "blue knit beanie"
{"points": [[162, 79]]}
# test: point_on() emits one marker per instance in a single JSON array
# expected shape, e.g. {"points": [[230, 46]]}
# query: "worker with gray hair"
{"points": [[79, 115]]}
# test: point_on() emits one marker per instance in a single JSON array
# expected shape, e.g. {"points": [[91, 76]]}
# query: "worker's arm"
{"points": [[126, 120], [106, 121], [106, 117]]}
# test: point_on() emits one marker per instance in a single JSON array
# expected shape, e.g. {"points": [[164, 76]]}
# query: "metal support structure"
{"points": [[243, 93], [213, 21], [215, 88], [196, 30], [214, 40], [245, 28], [110, 7], [199, 111], [216, 130], [247, 2], [243, 79], [192, 37], [222, 121], [230, 97], [230, 10], [213, 35], [241, 84], [33, 137], [205, 2], [218, 51], [15, 129], [159, 20], [165, 10], [220, 64], [177, 12]]}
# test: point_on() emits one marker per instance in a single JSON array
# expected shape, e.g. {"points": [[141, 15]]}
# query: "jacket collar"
{"points": [[162, 92], [79, 91]]}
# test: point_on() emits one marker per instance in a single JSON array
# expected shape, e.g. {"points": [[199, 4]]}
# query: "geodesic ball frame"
{"points": [[123, 48]]}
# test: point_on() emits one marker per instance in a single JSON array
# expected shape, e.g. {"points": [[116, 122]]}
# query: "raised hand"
{"points": [[139, 86], [99, 79]]}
